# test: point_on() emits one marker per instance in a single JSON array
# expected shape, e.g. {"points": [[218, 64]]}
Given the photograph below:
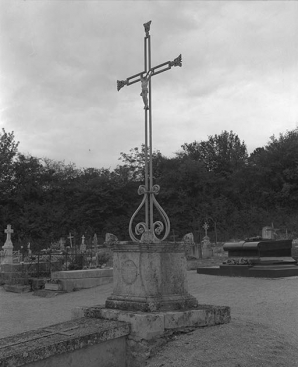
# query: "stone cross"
{"points": [[8, 247], [205, 226], [149, 228], [8, 231], [83, 240], [70, 237]]}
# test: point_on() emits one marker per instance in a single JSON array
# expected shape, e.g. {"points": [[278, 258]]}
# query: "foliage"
{"points": [[213, 180]]}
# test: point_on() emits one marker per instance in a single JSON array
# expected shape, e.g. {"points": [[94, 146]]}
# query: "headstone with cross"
{"points": [[206, 244], [70, 237], [8, 246], [206, 226]]}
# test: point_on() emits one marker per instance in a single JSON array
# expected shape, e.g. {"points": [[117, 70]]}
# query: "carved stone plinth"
{"points": [[150, 277]]}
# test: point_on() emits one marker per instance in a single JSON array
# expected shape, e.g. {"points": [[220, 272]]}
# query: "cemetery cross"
{"points": [[70, 237], [149, 228], [205, 226], [8, 232]]}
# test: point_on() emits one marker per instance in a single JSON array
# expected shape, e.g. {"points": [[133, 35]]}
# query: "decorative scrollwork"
{"points": [[159, 227], [149, 235], [140, 228], [177, 61], [155, 189], [121, 84], [142, 190]]}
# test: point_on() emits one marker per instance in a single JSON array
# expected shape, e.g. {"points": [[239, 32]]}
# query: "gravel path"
{"points": [[263, 330]]}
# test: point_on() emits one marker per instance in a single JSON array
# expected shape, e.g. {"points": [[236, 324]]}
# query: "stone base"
{"points": [[149, 325], [150, 330], [150, 277], [151, 304]]}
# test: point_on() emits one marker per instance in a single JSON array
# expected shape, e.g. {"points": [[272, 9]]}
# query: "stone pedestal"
{"points": [[206, 248], [8, 253], [150, 277]]}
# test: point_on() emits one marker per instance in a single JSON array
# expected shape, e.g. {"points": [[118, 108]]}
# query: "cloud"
{"points": [[60, 62]]}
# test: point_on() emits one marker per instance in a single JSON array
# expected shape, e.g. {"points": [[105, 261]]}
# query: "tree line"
{"points": [[215, 180]]}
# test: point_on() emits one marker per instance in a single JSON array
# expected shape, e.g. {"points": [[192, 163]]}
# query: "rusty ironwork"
{"points": [[149, 230]]}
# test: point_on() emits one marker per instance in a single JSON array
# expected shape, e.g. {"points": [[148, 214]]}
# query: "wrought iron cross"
{"points": [[149, 229]]}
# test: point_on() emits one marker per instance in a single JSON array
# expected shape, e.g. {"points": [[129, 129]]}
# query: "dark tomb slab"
{"points": [[256, 257]]}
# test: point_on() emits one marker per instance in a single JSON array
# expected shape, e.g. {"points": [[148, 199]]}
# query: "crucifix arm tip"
{"points": [[177, 61], [121, 84]]}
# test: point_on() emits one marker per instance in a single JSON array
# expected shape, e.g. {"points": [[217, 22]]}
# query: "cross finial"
{"points": [[147, 27]]}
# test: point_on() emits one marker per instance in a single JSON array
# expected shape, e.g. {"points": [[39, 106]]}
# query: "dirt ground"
{"points": [[263, 331]]}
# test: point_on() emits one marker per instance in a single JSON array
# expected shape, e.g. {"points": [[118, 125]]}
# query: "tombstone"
{"points": [[8, 246], [95, 241], [83, 245], [268, 233], [206, 248], [62, 244], [29, 250]]}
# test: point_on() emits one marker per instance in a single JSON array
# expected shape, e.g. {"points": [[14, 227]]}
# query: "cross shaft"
{"points": [[149, 191]]}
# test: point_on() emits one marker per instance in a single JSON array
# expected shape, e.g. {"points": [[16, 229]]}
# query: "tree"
{"points": [[8, 152], [222, 153], [134, 163]]}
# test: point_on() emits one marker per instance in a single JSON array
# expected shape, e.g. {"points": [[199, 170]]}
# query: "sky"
{"points": [[60, 61]]}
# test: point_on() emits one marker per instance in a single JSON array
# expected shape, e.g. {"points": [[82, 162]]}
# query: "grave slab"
{"points": [[82, 342], [82, 279]]}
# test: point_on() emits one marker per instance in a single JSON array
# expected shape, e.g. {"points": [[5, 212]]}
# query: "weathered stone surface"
{"points": [[191, 318], [150, 277], [44, 347], [82, 279], [79, 274], [149, 325], [17, 288]]}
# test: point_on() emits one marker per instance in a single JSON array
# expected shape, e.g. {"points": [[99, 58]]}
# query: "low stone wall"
{"points": [[80, 279], [83, 342]]}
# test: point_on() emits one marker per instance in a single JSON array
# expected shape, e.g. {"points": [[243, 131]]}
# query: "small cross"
{"points": [[70, 237], [205, 226], [8, 231], [83, 240]]}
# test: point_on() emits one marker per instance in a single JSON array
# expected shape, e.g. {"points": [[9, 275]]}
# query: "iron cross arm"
{"points": [[154, 71]]}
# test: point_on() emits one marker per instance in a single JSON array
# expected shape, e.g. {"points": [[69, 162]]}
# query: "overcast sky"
{"points": [[60, 60]]}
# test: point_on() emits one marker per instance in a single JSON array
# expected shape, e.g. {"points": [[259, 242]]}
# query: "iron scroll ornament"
{"points": [[158, 227]]}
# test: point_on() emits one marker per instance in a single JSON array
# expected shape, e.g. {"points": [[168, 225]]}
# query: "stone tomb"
{"points": [[256, 257]]}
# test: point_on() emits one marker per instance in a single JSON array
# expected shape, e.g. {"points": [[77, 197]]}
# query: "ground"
{"points": [[263, 331]]}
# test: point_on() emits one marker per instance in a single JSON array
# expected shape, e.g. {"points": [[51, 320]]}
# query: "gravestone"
{"points": [[206, 248], [8, 246], [268, 233], [61, 244], [83, 245]]}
